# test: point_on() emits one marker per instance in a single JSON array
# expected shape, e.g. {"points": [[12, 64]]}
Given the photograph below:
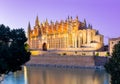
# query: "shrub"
{"points": [[107, 54], [97, 54]]}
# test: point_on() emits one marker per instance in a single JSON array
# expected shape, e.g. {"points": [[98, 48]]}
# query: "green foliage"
{"points": [[4, 34], [13, 53], [107, 54], [113, 66], [97, 54], [26, 46]]}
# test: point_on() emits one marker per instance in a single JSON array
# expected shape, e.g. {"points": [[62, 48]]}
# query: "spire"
{"points": [[37, 22], [71, 18], [88, 25], [61, 21], [29, 27], [97, 32], [85, 23], [46, 21], [51, 22], [68, 18], [76, 17], [91, 26], [28, 33], [56, 22]]}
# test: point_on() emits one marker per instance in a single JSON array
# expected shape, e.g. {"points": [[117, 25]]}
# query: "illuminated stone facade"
{"points": [[112, 42], [70, 34]]}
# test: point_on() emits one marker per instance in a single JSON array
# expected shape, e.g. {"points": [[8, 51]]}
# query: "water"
{"points": [[42, 75]]}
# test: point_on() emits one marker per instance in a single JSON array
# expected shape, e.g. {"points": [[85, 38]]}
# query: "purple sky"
{"points": [[104, 15]]}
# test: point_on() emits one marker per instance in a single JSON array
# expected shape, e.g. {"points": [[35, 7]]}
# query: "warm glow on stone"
{"points": [[33, 53], [70, 34]]}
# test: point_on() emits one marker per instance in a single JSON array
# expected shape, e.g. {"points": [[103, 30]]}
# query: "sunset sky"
{"points": [[104, 15]]}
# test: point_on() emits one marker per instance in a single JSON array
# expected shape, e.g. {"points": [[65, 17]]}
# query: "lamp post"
{"points": [[10, 41]]}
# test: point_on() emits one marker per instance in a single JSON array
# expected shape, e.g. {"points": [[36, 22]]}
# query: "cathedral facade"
{"points": [[70, 34]]}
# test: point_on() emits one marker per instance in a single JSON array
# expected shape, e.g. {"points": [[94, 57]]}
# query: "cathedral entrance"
{"points": [[44, 47]]}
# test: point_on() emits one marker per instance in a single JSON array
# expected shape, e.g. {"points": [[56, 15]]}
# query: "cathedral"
{"points": [[69, 34]]}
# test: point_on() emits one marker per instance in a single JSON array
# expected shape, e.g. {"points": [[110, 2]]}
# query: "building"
{"points": [[70, 34], [112, 42]]}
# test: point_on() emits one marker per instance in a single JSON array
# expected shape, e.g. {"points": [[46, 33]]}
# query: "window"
{"points": [[112, 42]]}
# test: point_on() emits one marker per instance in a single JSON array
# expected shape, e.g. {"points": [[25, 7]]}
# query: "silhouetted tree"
{"points": [[13, 53], [113, 66]]}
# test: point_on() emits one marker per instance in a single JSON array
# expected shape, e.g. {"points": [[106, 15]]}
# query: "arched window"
{"points": [[44, 47]]}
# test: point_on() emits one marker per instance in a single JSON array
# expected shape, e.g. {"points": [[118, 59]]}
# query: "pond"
{"points": [[50, 75]]}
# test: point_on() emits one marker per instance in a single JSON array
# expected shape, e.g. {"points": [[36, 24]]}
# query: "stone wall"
{"points": [[100, 61], [83, 61]]}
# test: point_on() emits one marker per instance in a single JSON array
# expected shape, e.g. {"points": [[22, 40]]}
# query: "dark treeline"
{"points": [[113, 66], [13, 53]]}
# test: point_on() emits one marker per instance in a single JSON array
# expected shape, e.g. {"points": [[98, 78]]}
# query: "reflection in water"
{"points": [[38, 75], [42, 75], [25, 74]]}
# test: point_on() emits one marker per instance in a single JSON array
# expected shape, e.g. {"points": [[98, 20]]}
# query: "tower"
{"points": [[37, 22], [85, 24], [28, 32]]}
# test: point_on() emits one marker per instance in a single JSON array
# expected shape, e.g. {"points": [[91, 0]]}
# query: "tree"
{"points": [[113, 66], [13, 52]]}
